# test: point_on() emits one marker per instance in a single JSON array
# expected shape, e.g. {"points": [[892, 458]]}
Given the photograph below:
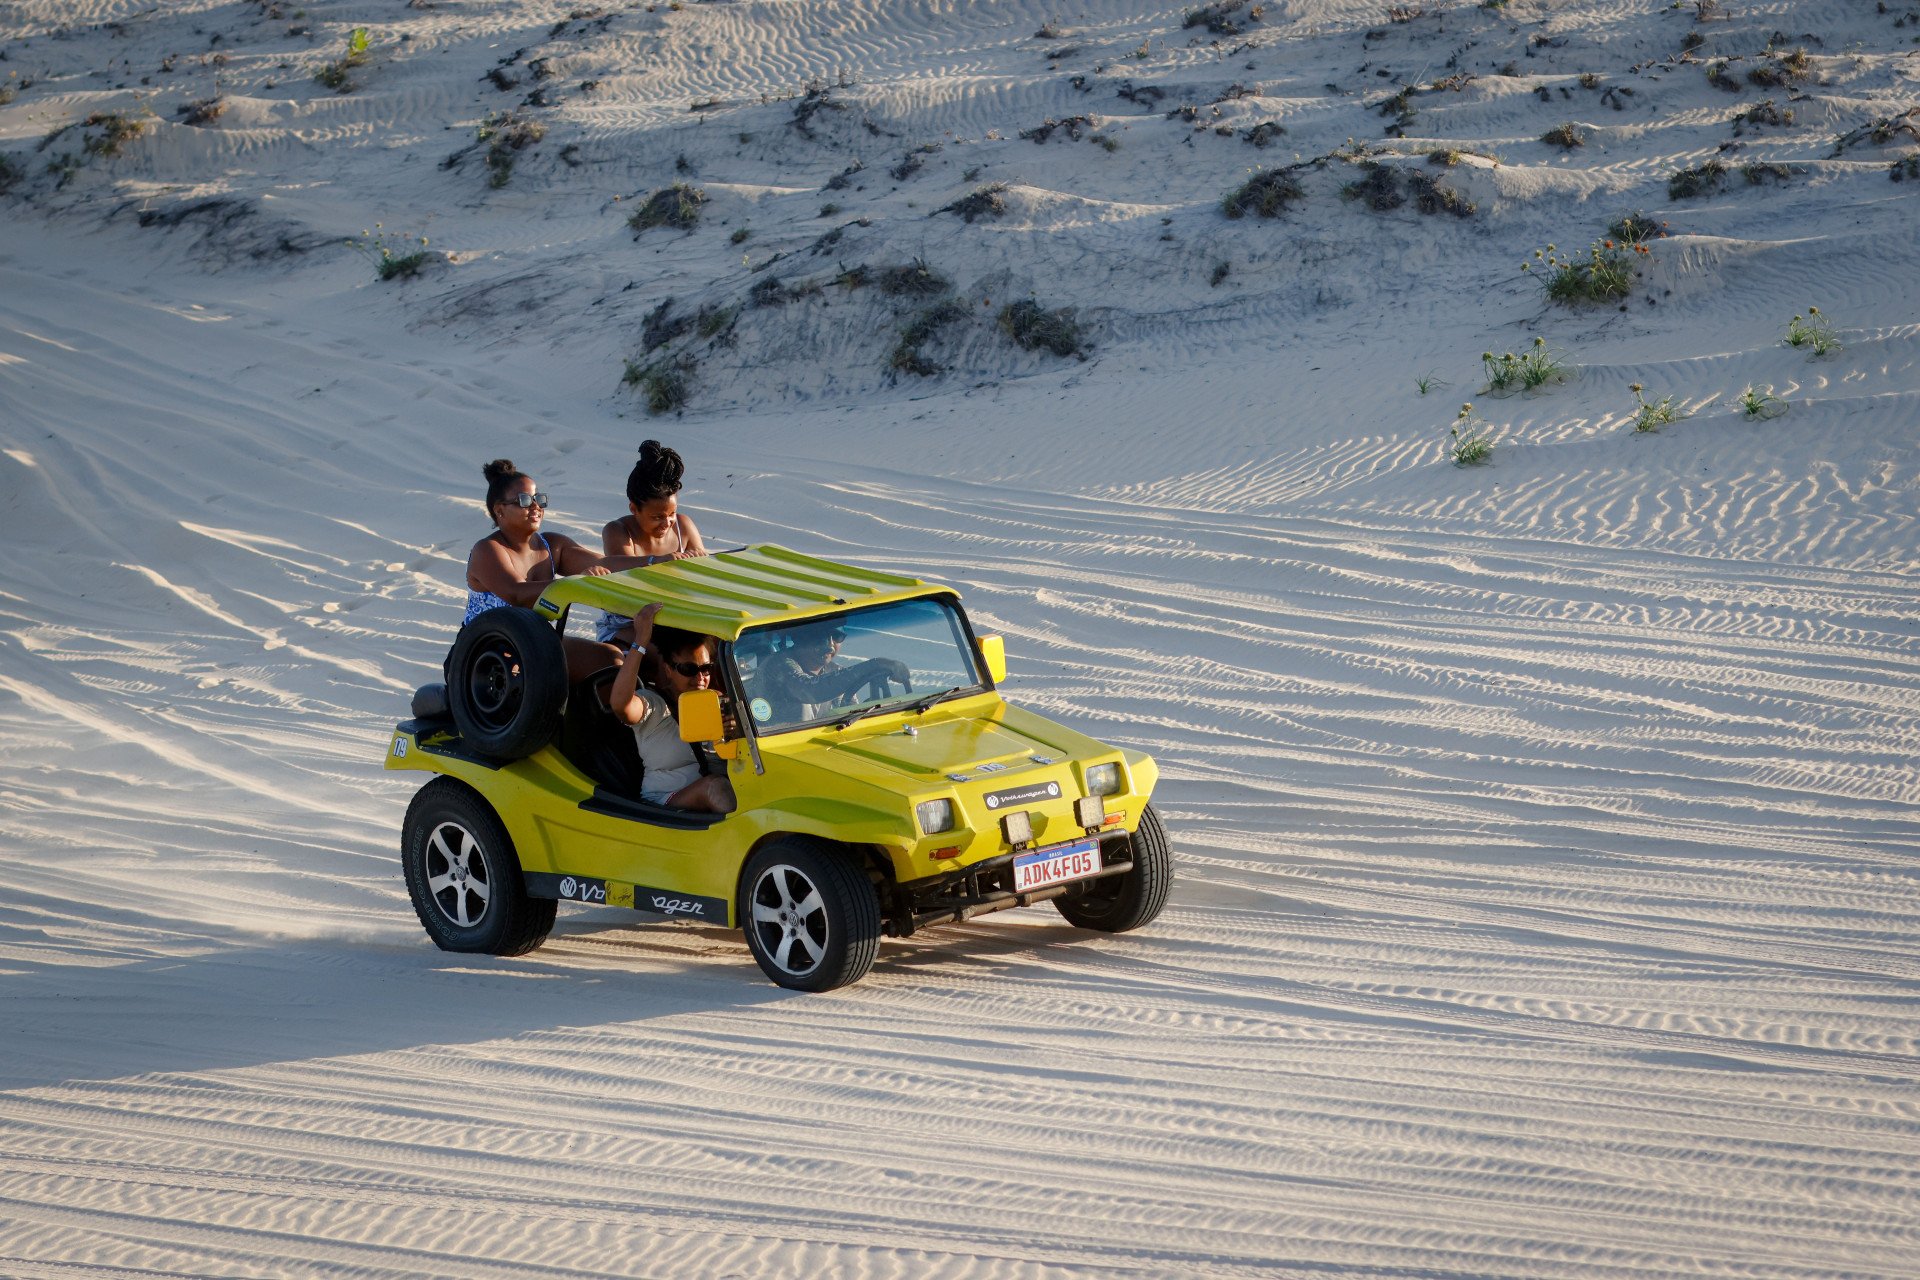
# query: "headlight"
{"points": [[1103, 779], [935, 816]]}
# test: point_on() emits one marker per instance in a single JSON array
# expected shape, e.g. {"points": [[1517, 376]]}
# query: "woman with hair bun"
{"points": [[513, 564], [654, 529]]}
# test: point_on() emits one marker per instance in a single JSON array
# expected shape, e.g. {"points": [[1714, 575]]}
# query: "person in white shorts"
{"points": [[674, 662]]}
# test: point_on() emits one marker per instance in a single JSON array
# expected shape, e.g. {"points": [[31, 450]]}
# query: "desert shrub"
{"points": [[677, 206], [1813, 332], [10, 173], [1760, 113], [1755, 174], [1535, 367], [1072, 126], [1782, 68], [1904, 168], [911, 280], [1221, 270], [1565, 136], [1651, 415], [1380, 189], [1036, 329], [1472, 438], [337, 75], [393, 257], [711, 322], [108, 132], [777, 293], [989, 201], [202, 113], [1222, 19], [1720, 77], [1431, 197], [663, 383], [1636, 228], [1604, 275], [1704, 180], [1758, 405], [504, 134], [1263, 134], [1265, 194], [813, 100], [907, 356], [739, 236], [840, 180]]}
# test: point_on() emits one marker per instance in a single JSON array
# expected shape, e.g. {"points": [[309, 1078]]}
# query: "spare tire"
{"points": [[507, 683]]}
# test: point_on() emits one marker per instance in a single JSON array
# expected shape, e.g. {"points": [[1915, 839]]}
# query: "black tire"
{"points": [[811, 916], [464, 876], [1119, 903], [507, 683]]}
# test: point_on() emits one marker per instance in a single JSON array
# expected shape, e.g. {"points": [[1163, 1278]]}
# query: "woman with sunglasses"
{"points": [[677, 662], [513, 564]]}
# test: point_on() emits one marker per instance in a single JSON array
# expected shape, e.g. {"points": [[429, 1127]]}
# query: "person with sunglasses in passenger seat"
{"points": [[675, 662]]}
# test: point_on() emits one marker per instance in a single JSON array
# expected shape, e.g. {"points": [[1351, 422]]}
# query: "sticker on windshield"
{"points": [[761, 708], [1021, 795]]}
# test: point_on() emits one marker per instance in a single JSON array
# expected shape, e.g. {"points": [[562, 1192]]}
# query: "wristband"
{"points": [[637, 648]]}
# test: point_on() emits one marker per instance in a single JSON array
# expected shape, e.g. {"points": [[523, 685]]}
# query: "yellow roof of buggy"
{"points": [[724, 594]]}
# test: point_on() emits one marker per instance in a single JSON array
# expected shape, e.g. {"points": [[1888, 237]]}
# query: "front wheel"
{"points": [[1119, 903], [811, 916], [464, 876]]}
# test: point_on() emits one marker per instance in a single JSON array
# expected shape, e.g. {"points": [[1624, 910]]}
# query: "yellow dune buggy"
{"points": [[892, 789]]}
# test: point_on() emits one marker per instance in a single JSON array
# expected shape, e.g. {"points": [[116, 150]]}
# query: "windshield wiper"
{"points": [[875, 708]]}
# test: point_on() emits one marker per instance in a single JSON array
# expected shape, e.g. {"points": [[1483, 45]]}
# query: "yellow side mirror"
{"points": [[699, 716], [993, 656]]}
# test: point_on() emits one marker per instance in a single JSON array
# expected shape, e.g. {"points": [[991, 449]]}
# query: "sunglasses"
{"points": [[525, 500], [692, 669]]}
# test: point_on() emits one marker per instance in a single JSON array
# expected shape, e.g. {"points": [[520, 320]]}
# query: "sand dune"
{"points": [[1546, 829]]}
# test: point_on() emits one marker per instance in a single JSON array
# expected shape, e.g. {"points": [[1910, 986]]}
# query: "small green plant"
{"points": [[1758, 405], [1814, 332], [1565, 136], [828, 209], [1703, 180], [714, 321], [677, 206], [1604, 275], [506, 134], [393, 257], [1221, 270], [1905, 167], [338, 74], [1036, 329], [1782, 68], [1636, 228], [1651, 415], [663, 383], [108, 133], [1472, 438], [739, 236], [1265, 194], [1426, 382], [1535, 367], [1720, 77]]}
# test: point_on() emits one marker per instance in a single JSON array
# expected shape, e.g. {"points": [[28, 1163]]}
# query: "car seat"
{"points": [[599, 745]]}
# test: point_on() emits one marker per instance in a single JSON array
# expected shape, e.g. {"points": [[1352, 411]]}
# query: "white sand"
{"points": [[1547, 829]]}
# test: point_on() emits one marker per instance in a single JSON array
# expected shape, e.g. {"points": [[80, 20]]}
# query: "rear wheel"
{"points": [[507, 682], [464, 876], [811, 916], [1119, 903]]}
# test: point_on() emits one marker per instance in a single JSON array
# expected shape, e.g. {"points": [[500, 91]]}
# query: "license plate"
{"points": [[1056, 865]]}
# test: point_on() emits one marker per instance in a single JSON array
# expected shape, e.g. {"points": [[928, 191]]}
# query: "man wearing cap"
{"points": [[803, 680]]}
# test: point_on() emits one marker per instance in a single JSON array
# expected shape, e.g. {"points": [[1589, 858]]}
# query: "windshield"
{"points": [[851, 664]]}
